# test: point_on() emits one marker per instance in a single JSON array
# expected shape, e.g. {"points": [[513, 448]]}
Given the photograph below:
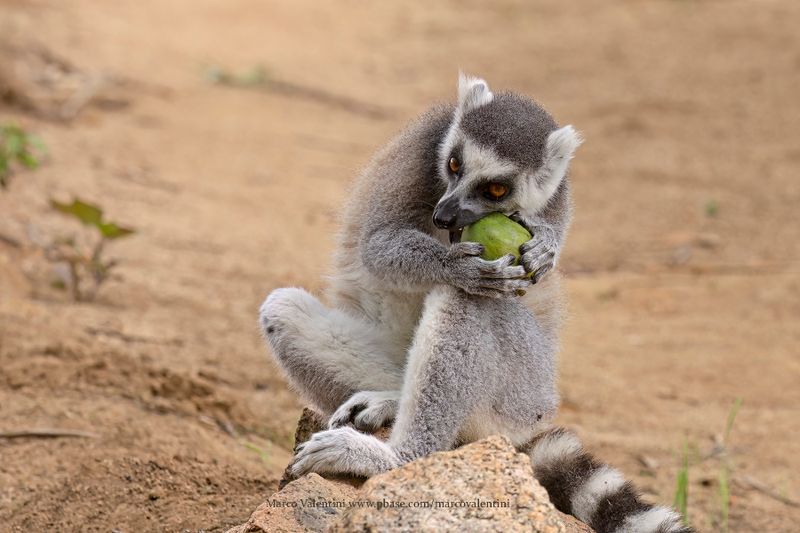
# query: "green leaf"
{"points": [[3, 169], [682, 485], [725, 496], [737, 403], [254, 77], [15, 142], [92, 215], [37, 143], [89, 214], [27, 159], [111, 230], [712, 208]]}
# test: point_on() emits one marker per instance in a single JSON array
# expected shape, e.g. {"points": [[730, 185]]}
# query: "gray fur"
{"points": [[421, 331], [513, 126], [593, 492], [479, 361]]}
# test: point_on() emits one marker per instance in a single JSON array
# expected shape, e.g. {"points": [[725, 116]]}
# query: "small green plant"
{"points": [[87, 268], [18, 147], [712, 208], [682, 485], [725, 468]]}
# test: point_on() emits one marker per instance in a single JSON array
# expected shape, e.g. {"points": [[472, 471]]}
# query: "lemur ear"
{"points": [[559, 149], [472, 92], [562, 143]]}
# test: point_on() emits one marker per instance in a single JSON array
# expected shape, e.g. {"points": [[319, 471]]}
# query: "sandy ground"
{"points": [[674, 313]]}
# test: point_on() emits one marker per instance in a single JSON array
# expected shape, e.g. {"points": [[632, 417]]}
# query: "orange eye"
{"points": [[496, 190], [454, 164]]}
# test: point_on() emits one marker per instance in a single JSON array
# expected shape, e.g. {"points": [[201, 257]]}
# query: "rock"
{"points": [[709, 241], [311, 503], [310, 422], [483, 486]]}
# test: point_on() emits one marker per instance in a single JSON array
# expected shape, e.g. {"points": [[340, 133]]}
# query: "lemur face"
{"points": [[502, 153]]}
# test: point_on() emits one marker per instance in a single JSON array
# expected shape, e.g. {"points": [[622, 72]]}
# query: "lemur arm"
{"points": [[549, 229], [406, 257], [415, 261]]}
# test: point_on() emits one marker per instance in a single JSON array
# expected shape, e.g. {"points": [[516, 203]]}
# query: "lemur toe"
{"points": [[367, 410], [372, 419], [344, 416], [344, 451]]}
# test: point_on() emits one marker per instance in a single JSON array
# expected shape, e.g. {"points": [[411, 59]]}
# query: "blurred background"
{"points": [[166, 164]]}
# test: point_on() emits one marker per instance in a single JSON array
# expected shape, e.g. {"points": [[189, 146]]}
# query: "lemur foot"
{"points": [[367, 410], [540, 253], [344, 451]]}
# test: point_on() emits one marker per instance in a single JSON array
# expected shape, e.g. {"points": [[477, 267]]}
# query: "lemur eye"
{"points": [[495, 191], [454, 165]]}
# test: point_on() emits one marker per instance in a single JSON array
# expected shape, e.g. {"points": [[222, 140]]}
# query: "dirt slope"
{"points": [[689, 109]]}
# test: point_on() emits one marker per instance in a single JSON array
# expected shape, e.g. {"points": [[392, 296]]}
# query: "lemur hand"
{"points": [[367, 410], [494, 279], [540, 253]]}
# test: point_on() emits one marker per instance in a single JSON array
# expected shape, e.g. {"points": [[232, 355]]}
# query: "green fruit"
{"points": [[498, 234]]}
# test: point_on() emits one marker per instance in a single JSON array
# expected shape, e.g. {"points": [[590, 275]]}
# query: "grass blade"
{"points": [[682, 485], [725, 468]]}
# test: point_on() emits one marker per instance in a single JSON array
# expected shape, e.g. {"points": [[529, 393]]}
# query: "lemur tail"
{"points": [[594, 492]]}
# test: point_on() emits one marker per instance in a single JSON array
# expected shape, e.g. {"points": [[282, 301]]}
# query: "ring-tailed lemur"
{"points": [[426, 333]]}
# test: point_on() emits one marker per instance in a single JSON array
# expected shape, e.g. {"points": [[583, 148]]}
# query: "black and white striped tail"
{"points": [[593, 492]]}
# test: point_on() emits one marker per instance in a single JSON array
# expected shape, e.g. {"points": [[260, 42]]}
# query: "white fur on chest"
{"points": [[396, 313]]}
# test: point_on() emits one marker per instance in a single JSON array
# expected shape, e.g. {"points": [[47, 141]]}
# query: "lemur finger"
{"points": [[535, 244], [501, 268], [537, 258], [510, 272], [348, 410], [539, 274], [467, 249], [506, 260], [344, 415], [516, 272], [305, 464], [508, 287], [299, 468], [526, 246], [325, 451], [318, 442], [497, 264], [374, 418]]}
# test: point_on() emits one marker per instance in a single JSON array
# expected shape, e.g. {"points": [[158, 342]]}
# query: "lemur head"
{"points": [[502, 153]]}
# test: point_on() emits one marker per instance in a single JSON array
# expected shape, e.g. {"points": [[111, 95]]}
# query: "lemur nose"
{"points": [[444, 220]]}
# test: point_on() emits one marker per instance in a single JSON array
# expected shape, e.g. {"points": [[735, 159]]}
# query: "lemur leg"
{"points": [[445, 367], [327, 355], [439, 392]]}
